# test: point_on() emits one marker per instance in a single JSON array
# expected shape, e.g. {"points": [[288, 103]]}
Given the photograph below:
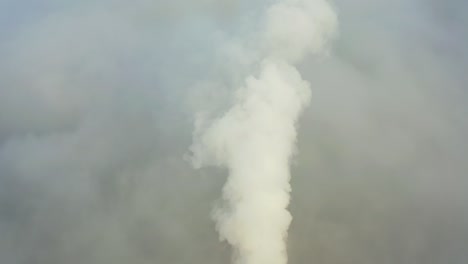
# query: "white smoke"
{"points": [[256, 138]]}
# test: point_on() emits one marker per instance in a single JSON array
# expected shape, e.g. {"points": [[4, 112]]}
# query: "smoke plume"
{"points": [[256, 137], [97, 103]]}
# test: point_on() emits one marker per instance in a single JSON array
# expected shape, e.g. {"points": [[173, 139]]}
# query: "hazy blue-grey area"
{"points": [[97, 101]]}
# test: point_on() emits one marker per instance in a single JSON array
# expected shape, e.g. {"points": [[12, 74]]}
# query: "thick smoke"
{"points": [[256, 137], [97, 105]]}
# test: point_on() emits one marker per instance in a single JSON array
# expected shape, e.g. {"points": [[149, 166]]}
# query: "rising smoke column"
{"points": [[255, 139]]}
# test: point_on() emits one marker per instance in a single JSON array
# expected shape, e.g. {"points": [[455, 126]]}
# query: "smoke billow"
{"points": [[98, 101], [255, 139]]}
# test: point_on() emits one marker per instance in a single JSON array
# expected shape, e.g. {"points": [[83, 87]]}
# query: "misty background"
{"points": [[97, 103]]}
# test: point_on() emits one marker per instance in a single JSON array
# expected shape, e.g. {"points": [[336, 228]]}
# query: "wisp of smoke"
{"points": [[255, 138]]}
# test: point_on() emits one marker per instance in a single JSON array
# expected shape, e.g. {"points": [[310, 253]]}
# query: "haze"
{"points": [[98, 101]]}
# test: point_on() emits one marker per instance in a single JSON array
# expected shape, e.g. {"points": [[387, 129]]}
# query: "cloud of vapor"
{"points": [[255, 138], [98, 101]]}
